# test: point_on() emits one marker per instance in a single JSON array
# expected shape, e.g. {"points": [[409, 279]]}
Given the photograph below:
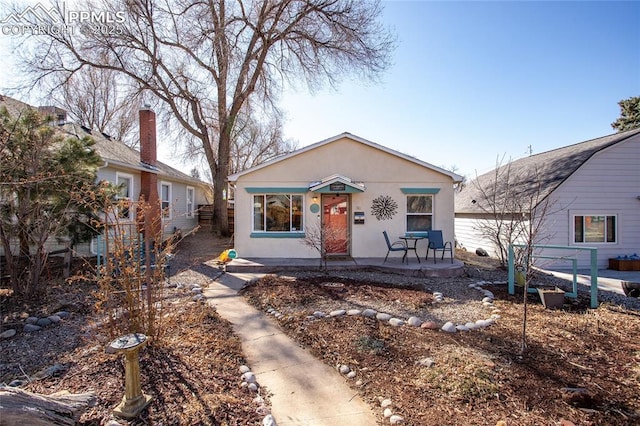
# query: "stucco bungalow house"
{"points": [[138, 172], [592, 194], [345, 188]]}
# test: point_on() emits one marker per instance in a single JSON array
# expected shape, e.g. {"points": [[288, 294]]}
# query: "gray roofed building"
{"points": [[551, 168], [179, 194], [592, 189]]}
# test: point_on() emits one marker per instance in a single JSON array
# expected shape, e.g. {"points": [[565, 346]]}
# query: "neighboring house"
{"points": [[591, 189], [349, 187], [137, 172]]}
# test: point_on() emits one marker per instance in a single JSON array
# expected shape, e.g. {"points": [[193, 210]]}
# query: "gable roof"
{"points": [[325, 185], [545, 171], [112, 151], [14, 106], [456, 178], [118, 154]]}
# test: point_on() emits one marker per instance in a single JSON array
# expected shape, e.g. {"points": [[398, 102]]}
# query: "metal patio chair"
{"points": [[395, 246], [437, 244]]}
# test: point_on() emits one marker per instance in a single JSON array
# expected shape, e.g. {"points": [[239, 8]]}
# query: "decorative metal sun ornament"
{"points": [[384, 207]]}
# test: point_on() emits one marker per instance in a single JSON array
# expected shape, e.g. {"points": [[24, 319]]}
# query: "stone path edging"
{"points": [[449, 327]]}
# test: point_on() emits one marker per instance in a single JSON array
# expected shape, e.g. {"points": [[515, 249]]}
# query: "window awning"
{"points": [[336, 184]]}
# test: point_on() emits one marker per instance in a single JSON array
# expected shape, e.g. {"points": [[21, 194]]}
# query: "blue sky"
{"points": [[473, 81]]}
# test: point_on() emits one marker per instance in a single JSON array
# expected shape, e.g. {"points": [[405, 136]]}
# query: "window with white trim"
{"points": [[191, 192], [595, 228], [165, 199], [278, 213], [419, 213], [125, 196]]}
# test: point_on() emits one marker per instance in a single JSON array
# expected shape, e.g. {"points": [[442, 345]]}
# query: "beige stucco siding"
{"points": [[382, 174]]}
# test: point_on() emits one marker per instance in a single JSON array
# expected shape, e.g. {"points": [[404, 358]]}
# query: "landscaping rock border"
{"points": [[248, 381], [487, 298], [34, 323]]}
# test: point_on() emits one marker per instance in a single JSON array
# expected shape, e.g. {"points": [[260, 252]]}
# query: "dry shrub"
{"points": [[131, 278]]}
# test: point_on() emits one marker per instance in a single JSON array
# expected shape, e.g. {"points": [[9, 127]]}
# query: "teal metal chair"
{"points": [[395, 246], [436, 243]]}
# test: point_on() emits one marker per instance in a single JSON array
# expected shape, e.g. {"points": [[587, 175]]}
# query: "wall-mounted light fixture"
{"points": [[315, 198]]}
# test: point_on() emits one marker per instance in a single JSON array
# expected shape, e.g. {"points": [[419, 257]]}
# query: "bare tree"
{"points": [[517, 207], [500, 200], [324, 239], [205, 60], [256, 142], [100, 100], [256, 138]]}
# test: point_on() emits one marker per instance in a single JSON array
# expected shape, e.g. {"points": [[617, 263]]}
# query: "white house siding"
{"points": [[608, 184], [179, 218], [381, 173], [468, 237]]}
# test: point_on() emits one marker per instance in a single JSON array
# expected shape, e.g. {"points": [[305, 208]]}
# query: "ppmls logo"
{"points": [[40, 19]]}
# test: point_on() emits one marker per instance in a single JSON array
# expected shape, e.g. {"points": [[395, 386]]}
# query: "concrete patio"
{"points": [[443, 268]]}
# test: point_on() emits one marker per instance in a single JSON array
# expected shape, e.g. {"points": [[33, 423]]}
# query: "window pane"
{"points": [[594, 229], [258, 213], [419, 204], [418, 223], [190, 197], [578, 229], [125, 187], [296, 213], [611, 229], [278, 213]]}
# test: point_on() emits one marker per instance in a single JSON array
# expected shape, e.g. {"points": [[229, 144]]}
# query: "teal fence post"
{"points": [[594, 278], [574, 283], [511, 270]]}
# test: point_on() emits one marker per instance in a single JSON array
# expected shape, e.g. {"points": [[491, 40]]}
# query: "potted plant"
{"points": [[552, 298]]}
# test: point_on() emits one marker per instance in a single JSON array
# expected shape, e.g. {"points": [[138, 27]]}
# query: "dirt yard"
{"points": [[581, 366]]}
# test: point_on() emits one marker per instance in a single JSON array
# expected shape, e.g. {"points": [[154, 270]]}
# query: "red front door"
{"points": [[335, 224]]}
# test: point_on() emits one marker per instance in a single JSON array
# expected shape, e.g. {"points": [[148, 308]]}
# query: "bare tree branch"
{"points": [[206, 59]]}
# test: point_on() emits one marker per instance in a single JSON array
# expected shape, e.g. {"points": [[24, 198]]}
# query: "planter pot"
{"points": [[624, 264], [551, 298], [520, 278]]}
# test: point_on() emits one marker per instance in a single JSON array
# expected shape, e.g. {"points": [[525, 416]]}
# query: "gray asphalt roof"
{"points": [[118, 154], [546, 171]]}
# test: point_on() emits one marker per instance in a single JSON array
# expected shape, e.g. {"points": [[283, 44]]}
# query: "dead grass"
{"points": [[479, 377], [192, 373]]}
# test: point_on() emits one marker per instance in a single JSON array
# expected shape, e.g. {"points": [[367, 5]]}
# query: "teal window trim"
{"points": [[420, 190], [272, 190], [277, 235]]}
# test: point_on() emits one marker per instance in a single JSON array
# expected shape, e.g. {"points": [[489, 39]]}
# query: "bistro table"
{"points": [[409, 237]]}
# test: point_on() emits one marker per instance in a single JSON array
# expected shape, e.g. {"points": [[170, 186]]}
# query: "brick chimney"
{"points": [[148, 152], [151, 217]]}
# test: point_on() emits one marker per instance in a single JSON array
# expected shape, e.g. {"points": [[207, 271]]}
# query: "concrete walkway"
{"points": [[608, 279], [303, 390]]}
